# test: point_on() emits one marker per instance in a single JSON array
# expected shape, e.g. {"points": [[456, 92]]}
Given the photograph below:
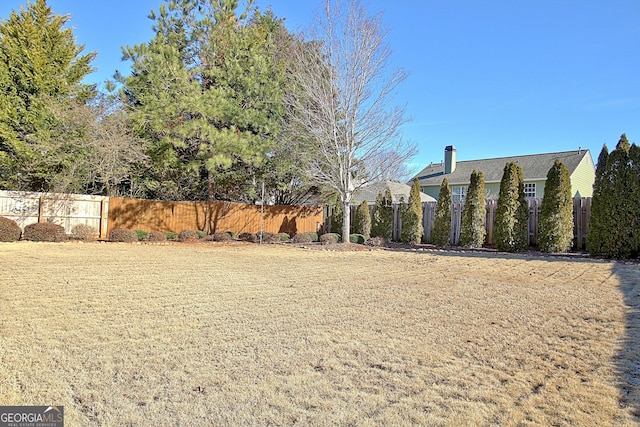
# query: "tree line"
{"points": [[223, 103]]}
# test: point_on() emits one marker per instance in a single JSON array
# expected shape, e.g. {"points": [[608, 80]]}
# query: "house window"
{"points": [[530, 189], [458, 193]]}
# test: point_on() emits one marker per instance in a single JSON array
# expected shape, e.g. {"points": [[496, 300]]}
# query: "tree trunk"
{"points": [[346, 217]]}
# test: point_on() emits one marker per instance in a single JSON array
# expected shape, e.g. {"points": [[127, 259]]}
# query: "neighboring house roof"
{"points": [[534, 166], [398, 190]]}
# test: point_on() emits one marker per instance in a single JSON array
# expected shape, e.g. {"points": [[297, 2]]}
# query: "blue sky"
{"points": [[492, 77]]}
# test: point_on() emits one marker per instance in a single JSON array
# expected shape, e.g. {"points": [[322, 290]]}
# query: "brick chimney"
{"points": [[449, 159]]}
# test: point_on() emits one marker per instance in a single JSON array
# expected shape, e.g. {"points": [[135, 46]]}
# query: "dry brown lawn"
{"points": [[215, 334]]}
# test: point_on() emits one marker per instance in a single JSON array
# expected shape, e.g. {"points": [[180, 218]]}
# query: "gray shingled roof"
{"points": [[398, 190], [534, 166]]}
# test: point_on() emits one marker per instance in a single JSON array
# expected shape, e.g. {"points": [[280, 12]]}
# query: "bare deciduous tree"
{"points": [[346, 107]]}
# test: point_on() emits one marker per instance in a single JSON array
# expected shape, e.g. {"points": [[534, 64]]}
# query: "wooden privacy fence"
{"points": [[66, 210], [211, 217], [581, 213]]}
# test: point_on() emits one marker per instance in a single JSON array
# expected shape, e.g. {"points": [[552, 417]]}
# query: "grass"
{"points": [[216, 334]]}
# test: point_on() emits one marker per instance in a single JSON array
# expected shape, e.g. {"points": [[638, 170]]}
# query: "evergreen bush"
{"points": [[614, 226], [512, 214], [44, 232], [382, 219], [441, 231], [170, 235], [284, 237], [357, 238], [362, 223], [301, 238], [10, 231], [337, 218], [329, 238], [556, 218], [412, 229], [474, 214], [142, 235]]}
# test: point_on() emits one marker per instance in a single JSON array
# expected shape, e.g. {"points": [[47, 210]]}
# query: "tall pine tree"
{"points": [[473, 228], [207, 92], [40, 65], [556, 218]]}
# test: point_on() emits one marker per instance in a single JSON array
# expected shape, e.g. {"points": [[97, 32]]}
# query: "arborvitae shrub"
{"points": [[382, 219], [441, 231], [188, 236], [44, 232], [123, 235], [556, 218], [357, 238], [362, 223], [84, 232], [156, 236], [473, 227], [301, 238], [337, 218], [10, 231], [512, 214], [142, 235], [412, 229], [328, 238]]}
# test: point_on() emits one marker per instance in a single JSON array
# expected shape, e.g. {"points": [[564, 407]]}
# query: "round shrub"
{"points": [[268, 237], [219, 236], [337, 236], [357, 238], [84, 232], [284, 237], [248, 237], [314, 236], [123, 235], [232, 234], [142, 235], [157, 236], [170, 235], [376, 241], [301, 238], [10, 231], [201, 234], [329, 238], [188, 236], [44, 232]]}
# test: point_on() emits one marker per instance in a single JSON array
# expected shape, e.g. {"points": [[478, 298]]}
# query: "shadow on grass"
{"points": [[628, 357]]}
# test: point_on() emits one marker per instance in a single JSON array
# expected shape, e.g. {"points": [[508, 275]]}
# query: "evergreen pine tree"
{"points": [[473, 228], [600, 218], [40, 65], [556, 218], [337, 218], [441, 232], [382, 220], [362, 223], [512, 214], [412, 229], [613, 226]]}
